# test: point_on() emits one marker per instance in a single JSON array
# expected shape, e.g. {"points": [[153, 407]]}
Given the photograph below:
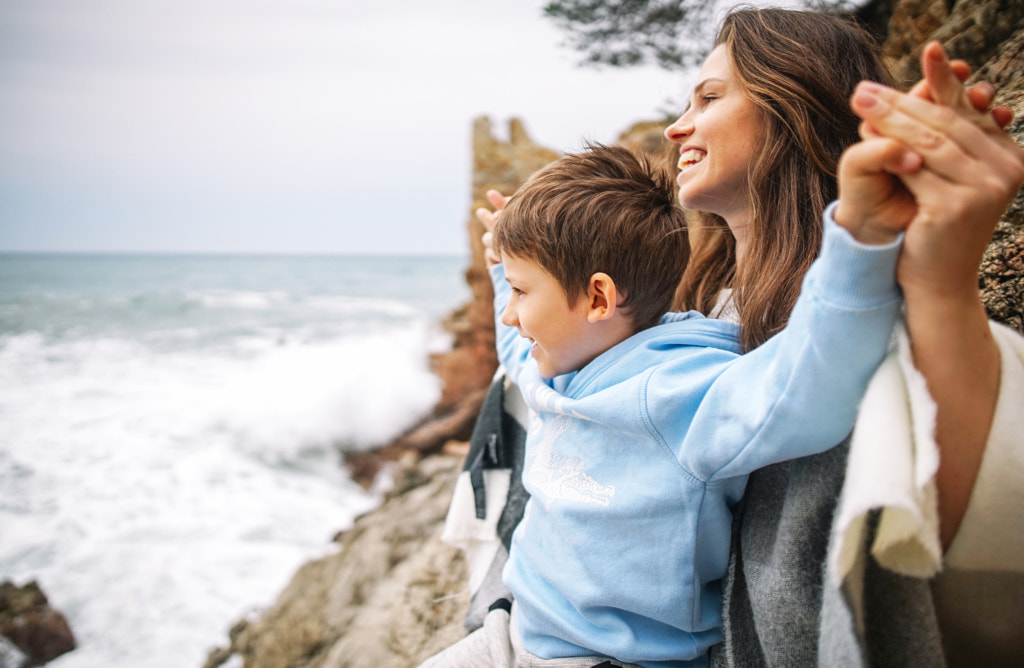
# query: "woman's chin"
{"points": [[692, 201]]}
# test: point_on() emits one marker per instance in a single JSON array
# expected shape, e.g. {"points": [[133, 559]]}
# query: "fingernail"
{"points": [[865, 96], [911, 162]]}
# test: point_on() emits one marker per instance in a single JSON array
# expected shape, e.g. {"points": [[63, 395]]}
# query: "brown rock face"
{"points": [[502, 166], [28, 621], [1001, 277], [649, 137]]}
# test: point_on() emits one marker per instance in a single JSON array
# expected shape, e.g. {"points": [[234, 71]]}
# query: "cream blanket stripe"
{"points": [[892, 465]]}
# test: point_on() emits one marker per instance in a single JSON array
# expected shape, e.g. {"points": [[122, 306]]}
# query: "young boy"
{"points": [[644, 425]]}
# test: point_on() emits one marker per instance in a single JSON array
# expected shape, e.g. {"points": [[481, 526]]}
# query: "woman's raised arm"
{"points": [[944, 172]]}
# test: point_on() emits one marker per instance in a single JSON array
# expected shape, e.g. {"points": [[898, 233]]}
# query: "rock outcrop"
{"points": [[394, 593], [36, 633], [502, 166]]}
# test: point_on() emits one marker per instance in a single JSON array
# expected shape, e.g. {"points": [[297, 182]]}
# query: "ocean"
{"points": [[170, 429]]}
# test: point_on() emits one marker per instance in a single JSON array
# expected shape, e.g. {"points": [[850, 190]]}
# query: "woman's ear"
{"points": [[603, 298]]}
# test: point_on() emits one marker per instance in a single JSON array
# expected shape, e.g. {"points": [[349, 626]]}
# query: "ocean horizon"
{"points": [[171, 427]]}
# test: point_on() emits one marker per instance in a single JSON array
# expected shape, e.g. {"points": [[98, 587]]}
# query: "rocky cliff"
{"points": [[394, 594]]}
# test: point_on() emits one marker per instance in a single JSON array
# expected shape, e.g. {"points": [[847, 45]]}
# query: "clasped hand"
{"points": [[934, 163]]}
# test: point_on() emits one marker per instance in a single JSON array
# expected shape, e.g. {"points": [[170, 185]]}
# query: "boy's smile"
{"points": [[561, 334]]}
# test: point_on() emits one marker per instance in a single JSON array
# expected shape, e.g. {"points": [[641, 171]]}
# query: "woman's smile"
{"points": [[689, 158]]}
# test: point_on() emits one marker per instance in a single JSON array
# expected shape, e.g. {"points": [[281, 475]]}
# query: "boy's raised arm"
{"points": [[798, 393]]}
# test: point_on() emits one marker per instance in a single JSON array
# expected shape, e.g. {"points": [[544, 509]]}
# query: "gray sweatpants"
{"points": [[496, 645]]}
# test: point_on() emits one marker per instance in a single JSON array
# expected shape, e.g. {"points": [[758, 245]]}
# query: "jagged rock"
{"points": [[1001, 277], [972, 30], [649, 137], [428, 437], [457, 425], [502, 166], [31, 625]]}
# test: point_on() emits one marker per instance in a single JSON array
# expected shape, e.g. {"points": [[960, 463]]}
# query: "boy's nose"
{"points": [[509, 317]]}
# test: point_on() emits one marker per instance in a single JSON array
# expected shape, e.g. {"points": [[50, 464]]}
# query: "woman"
{"points": [[948, 192], [759, 157]]}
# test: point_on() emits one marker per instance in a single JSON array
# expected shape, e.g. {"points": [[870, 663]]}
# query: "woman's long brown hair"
{"points": [[799, 68]]}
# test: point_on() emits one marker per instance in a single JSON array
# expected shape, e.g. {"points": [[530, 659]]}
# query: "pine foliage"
{"points": [[673, 34]]}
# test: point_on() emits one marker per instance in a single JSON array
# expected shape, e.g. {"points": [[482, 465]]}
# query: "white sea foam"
{"points": [[165, 467], [144, 489], [249, 300], [356, 393]]}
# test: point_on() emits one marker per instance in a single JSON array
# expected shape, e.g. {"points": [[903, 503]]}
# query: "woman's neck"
{"points": [[739, 225]]}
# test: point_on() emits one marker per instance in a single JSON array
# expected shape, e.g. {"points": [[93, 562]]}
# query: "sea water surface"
{"points": [[170, 429]]}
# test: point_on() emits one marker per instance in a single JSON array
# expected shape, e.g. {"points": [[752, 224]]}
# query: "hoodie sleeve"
{"points": [[798, 393], [513, 350]]}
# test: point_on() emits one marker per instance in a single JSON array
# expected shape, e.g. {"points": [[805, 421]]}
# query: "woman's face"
{"points": [[718, 134]]}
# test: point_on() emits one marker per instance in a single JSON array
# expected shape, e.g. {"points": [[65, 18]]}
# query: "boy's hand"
{"points": [[874, 205], [489, 218]]}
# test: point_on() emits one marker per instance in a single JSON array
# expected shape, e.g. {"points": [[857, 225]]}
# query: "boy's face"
{"points": [[540, 311]]}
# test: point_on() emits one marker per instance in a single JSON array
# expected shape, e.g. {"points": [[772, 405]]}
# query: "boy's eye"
{"points": [[516, 291]]}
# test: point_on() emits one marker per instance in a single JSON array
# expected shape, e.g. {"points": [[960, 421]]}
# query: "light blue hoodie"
{"points": [[634, 462]]}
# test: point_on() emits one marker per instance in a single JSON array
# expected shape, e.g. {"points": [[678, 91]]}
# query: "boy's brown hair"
{"points": [[606, 209]]}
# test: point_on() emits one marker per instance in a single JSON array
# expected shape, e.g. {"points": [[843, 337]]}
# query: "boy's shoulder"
{"points": [[692, 328], [671, 342], [674, 338], [680, 343]]}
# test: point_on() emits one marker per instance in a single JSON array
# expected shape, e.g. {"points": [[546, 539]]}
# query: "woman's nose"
{"points": [[682, 128]]}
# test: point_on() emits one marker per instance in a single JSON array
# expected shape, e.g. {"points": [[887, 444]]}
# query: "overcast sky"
{"points": [[278, 125]]}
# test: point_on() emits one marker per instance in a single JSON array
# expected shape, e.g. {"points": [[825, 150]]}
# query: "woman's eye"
{"points": [[707, 99]]}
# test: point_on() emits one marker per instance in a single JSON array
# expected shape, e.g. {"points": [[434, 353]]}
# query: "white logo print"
{"points": [[562, 477]]}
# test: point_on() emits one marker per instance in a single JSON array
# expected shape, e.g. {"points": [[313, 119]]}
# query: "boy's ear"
{"points": [[603, 298]]}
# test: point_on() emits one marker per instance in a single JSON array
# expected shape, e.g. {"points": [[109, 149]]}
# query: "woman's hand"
{"points": [[489, 218]]}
